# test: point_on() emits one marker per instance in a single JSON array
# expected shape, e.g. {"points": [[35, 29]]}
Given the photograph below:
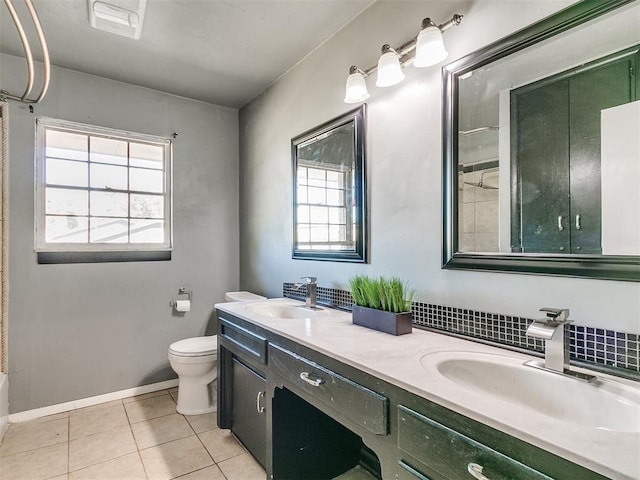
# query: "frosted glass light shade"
{"points": [[356, 89], [389, 70], [429, 48]]}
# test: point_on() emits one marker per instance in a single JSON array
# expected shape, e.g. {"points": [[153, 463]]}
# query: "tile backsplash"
{"points": [[597, 346]]}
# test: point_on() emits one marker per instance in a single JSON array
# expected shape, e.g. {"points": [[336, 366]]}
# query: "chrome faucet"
{"points": [[310, 283], [554, 330]]}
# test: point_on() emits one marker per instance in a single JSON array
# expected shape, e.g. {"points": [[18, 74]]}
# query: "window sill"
{"points": [[47, 258]]}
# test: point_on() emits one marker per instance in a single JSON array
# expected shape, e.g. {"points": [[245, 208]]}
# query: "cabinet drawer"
{"points": [[407, 472], [361, 405], [447, 453], [242, 341]]}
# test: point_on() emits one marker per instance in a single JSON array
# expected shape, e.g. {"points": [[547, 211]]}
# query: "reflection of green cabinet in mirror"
{"points": [[329, 207], [556, 151], [559, 156]]}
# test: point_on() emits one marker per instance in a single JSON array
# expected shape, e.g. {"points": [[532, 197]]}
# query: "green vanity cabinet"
{"points": [[320, 384], [306, 415], [555, 149], [443, 453], [242, 386], [249, 421]]}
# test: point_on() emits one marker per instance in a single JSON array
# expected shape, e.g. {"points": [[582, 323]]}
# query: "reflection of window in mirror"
{"points": [[329, 195], [324, 222]]}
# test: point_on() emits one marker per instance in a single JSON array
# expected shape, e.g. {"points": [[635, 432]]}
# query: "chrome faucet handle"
{"points": [[556, 316], [309, 279]]}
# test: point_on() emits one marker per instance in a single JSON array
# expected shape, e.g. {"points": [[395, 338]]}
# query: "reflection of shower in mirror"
{"points": [[471, 179], [480, 183]]}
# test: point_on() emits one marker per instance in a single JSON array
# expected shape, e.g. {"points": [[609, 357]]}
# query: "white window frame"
{"points": [[41, 245]]}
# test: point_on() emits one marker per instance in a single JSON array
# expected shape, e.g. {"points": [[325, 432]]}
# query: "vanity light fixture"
{"points": [[429, 45], [423, 51], [356, 88], [389, 69]]}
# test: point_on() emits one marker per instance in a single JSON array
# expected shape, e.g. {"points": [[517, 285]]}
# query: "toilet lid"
{"points": [[193, 347]]}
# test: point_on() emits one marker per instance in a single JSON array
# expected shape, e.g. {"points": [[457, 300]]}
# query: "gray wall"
{"points": [[404, 171], [81, 330]]}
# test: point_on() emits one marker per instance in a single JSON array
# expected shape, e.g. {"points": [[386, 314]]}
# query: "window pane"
{"points": [[109, 204], [303, 233], [302, 176], [335, 179], [143, 180], [66, 229], [302, 195], [303, 214], [317, 177], [147, 206], [64, 172], [66, 202], [148, 156], [147, 231], [335, 197], [108, 150], [337, 233], [319, 233], [108, 176], [109, 230], [337, 215], [319, 214], [72, 146], [317, 195]]}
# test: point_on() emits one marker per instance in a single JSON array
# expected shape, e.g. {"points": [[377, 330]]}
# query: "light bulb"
{"points": [[429, 47], [389, 69], [356, 88]]}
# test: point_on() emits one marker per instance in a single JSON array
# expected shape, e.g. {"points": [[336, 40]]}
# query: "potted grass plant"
{"points": [[381, 303]]}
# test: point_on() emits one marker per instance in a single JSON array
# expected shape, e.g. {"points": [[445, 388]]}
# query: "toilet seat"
{"points": [[195, 347]]}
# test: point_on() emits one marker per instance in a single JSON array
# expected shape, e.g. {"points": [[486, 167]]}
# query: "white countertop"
{"points": [[397, 360]]}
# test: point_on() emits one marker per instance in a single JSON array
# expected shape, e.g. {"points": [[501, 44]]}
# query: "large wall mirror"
{"points": [[329, 198], [542, 148]]}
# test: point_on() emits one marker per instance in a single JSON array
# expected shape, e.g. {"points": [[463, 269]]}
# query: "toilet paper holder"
{"points": [[182, 291]]}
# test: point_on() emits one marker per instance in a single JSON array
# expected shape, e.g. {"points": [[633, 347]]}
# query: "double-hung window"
{"points": [[101, 190], [325, 207]]}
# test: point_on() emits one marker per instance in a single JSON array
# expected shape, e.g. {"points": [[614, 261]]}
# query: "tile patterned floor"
{"points": [[135, 438]]}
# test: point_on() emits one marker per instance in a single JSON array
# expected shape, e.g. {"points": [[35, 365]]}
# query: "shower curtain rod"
{"points": [[4, 95]]}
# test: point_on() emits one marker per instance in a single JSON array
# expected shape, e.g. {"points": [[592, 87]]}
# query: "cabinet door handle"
{"points": [[476, 471], [578, 225], [304, 376], [259, 407], [560, 226]]}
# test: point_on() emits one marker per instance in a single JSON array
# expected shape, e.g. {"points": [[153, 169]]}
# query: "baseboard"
{"points": [[89, 401]]}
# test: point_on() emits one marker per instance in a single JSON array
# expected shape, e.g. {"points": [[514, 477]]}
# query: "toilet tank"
{"points": [[242, 296]]}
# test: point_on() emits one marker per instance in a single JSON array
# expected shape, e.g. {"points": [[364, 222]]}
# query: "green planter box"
{"points": [[388, 322]]}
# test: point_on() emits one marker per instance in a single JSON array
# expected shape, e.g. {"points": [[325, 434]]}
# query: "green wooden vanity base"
{"points": [[306, 415]]}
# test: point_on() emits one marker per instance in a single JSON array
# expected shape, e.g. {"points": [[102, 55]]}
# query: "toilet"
{"points": [[195, 360]]}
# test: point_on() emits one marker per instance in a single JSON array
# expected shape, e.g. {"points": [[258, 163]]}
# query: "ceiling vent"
{"points": [[122, 17]]}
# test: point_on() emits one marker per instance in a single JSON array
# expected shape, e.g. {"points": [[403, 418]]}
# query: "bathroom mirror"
{"points": [[541, 148], [329, 198]]}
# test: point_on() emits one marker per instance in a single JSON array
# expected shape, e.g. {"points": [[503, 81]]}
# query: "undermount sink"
{"points": [[286, 310], [602, 404]]}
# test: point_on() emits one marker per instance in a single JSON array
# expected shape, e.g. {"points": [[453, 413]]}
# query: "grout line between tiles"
{"points": [[202, 443], [100, 463]]}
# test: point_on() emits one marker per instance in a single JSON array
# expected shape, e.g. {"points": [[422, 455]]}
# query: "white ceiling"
{"points": [[224, 52]]}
